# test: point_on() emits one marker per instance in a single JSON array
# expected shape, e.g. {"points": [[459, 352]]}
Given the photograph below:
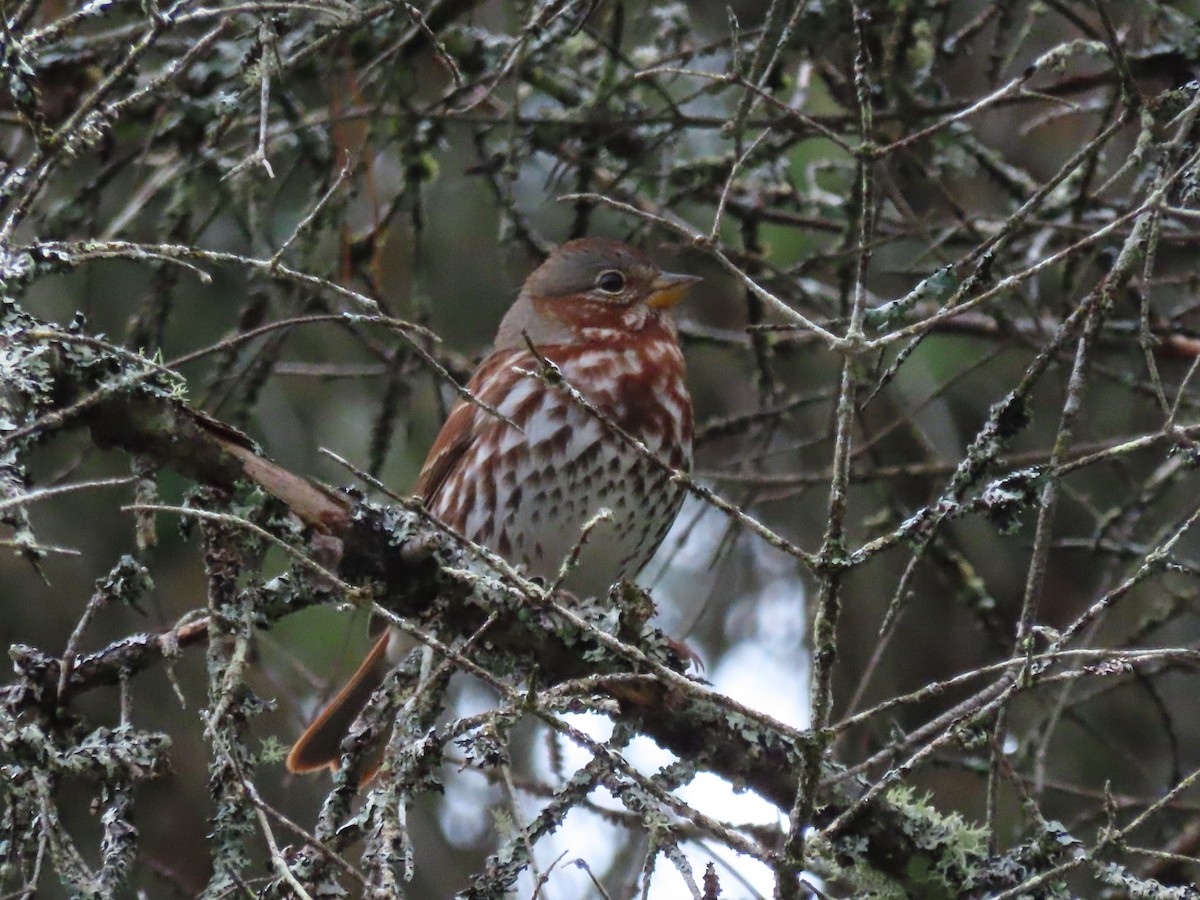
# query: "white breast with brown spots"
{"points": [[552, 477]]}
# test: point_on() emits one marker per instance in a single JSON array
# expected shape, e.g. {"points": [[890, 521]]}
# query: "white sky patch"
{"points": [[681, 573], [464, 806], [765, 668], [587, 835]]}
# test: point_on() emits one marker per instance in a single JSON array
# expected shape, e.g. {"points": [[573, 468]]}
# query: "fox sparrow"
{"points": [[597, 309]]}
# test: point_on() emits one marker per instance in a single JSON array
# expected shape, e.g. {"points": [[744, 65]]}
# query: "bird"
{"points": [[526, 482]]}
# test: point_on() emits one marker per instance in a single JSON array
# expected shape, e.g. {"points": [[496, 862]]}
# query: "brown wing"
{"points": [[457, 434], [488, 384]]}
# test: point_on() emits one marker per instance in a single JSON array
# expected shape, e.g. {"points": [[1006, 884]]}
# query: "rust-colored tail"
{"points": [[319, 746]]}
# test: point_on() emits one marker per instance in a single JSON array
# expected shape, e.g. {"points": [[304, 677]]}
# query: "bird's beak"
{"points": [[667, 289]]}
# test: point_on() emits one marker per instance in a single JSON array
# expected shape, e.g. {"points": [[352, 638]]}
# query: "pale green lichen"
{"points": [[959, 846]]}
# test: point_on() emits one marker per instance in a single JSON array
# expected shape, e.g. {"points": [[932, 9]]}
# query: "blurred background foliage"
{"points": [[418, 155]]}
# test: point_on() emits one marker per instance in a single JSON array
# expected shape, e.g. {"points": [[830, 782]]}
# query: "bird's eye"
{"points": [[611, 281]]}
